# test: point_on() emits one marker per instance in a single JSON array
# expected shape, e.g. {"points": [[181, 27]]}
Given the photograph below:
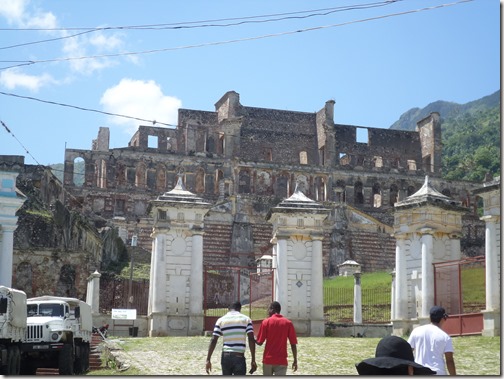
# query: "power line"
{"points": [[31, 62], [154, 122], [181, 25]]}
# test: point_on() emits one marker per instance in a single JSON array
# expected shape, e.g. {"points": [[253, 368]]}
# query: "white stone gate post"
{"points": [[297, 234]]}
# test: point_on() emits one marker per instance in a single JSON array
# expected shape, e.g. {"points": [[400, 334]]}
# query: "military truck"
{"points": [[12, 329], [58, 335]]}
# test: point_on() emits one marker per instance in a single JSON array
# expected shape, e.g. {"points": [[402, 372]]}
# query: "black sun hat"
{"points": [[393, 356]]}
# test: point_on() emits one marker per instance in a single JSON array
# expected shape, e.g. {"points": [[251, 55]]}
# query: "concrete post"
{"points": [[317, 327], [427, 273], [392, 295], [281, 288], [401, 285], [492, 266], [357, 308], [6, 255], [93, 292]]}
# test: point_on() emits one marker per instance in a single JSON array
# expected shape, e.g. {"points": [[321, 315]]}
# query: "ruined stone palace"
{"points": [[245, 160]]}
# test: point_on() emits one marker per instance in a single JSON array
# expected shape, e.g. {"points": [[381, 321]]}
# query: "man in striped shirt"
{"points": [[235, 328]]}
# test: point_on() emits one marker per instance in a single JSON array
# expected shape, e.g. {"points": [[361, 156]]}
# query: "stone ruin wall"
{"points": [[245, 159], [55, 248]]}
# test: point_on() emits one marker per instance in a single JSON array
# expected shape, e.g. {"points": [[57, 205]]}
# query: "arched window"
{"points": [[140, 175], [394, 191], [79, 171], [219, 175], [358, 194], [320, 189], [244, 181], [282, 186], [160, 178], [200, 181], [66, 282], [377, 196]]}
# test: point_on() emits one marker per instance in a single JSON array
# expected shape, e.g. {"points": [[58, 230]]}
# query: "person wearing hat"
{"points": [[432, 345], [393, 357]]}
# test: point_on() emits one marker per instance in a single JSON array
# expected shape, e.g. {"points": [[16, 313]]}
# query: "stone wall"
{"points": [[56, 248], [245, 160]]}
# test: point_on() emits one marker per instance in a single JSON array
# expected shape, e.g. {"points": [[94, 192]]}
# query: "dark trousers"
{"points": [[233, 364]]}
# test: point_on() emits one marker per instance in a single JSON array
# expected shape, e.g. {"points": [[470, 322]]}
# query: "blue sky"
{"points": [[376, 59]]}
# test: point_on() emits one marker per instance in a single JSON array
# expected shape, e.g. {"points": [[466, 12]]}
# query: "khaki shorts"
{"points": [[274, 370]]}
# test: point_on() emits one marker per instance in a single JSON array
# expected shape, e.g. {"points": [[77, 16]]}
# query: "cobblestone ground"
{"points": [[162, 360], [316, 355]]}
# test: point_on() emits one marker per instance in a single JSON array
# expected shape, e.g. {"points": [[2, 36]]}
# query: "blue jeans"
{"points": [[233, 364]]}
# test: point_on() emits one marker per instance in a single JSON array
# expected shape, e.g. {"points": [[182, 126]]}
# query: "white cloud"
{"points": [[141, 99], [16, 13], [14, 78], [24, 14]]}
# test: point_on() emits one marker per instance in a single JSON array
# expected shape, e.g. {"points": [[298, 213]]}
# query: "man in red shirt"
{"points": [[276, 330]]}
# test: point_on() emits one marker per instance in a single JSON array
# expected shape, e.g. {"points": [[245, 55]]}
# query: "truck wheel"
{"points": [[86, 357], [13, 360], [66, 360], [78, 363]]}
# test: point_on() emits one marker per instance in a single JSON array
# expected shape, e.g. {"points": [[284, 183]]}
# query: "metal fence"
{"points": [[338, 305], [120, 293]]}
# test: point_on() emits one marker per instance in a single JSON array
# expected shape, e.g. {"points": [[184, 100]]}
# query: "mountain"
{"points": [[446, 109], [470, 133]]}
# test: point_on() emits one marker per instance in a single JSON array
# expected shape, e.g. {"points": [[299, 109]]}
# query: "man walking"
{"points": [[431, 344], [234, 327], [276, 330]]}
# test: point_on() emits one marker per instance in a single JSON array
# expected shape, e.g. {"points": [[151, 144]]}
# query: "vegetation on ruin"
{"points": [[40, 213]]}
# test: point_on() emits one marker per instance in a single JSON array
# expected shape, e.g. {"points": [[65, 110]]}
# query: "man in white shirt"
{"points": [[431, 345]]}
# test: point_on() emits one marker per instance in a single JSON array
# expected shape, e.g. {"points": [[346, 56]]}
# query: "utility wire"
{"points": [[23, 146], [184, 25], [31, 62], [154, 122], [204, 23]]}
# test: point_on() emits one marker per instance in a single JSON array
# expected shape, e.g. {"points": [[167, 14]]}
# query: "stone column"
{"points": [[317, 296], [357, 306], [6, 254], [491, 265], [281, 272], [93, 292], [392, 295], [427, 273], [401, 283], [157, 303], [196, 322]]}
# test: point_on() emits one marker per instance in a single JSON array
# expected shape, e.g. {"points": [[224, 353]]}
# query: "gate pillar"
{"points": [[297, 259], [427, 228], [176, 280], [491, 195]]}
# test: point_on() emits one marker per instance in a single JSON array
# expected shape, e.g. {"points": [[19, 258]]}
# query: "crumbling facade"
{"points": [[55, 249], [245, 160]]}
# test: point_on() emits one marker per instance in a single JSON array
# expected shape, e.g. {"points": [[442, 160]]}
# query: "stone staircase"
{"points": [[95, 354]]}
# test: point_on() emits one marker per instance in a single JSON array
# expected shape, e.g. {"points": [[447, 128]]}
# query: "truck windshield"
{"points": [[48, 310]]}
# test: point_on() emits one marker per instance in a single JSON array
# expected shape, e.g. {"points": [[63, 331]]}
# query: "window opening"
{"points": [[79, 171], [378, 161], [152, 142], [362, 135], [303, 157]]}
